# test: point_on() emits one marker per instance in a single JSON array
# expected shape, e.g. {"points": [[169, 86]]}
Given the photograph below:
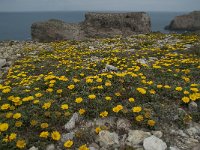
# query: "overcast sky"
{"points": [[109, 5]]}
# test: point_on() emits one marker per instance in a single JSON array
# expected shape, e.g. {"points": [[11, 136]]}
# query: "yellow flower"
{"points": [[109, 76], [46, 105], [89, 80], [21, 144], [83, 147], [151, 123], [131, 99], [71, 87], [194, 96], [186, 92], [117, 94], [44, 125], [38, 95], [18, 123], [64, 106], [186, 99], [136, 109], [5, 106], [17, 116], [194, 89], [92, 96], [152, 91], [99, 80], [141, 90], [68, 143], [12, 136], [117, 108], [159, 86], [33, 122], [97, 130], [4, 127], [55, 135], [139, 118], [104, 114], [178, 88], [44, 134], [7, 90], [49, 90], [9, 115], [78, 100], [81, 111], [108, 83], [108, 98], [59, 91], [167, 87]]}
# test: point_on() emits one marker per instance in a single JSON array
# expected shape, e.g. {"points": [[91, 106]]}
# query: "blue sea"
{"points": [[17, 25]]}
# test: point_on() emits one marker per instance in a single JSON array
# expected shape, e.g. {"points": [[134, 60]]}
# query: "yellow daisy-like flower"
{"points": [[59, 91], [117, 108], [46, 105], [12, 136], [64, 106], [159, 86], [178, 88], [17, 116], [89, 80], [55, 135], [97, 130], [141, 90], [109, 76], [108, 84], [7, 90], [21, 144], [5, 106], [81, 111], [99, 80], [137, 109], [4, 127], [186, 99], [139, 118], [104, 114], [18, 123], [92, 96], [83, 147], [44, 125], [38, 95], [71, 87], [68, 143], [44, 134], [151, 123], [78, 100], [131, 99], [108, 98]]}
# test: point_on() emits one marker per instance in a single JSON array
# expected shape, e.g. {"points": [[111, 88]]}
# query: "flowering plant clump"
{"points": [[39, 94]]}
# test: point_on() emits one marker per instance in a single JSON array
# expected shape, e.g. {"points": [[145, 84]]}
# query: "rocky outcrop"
{"points": [[188, 22], [94, 25], [111, 24]]}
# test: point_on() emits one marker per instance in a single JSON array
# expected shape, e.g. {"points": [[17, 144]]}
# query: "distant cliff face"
{"points": [[95, 25], [190, 22]]}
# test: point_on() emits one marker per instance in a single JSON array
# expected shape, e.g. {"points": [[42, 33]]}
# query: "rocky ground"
{"points": [[154, 72]]}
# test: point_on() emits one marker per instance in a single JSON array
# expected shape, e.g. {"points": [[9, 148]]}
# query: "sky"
{"points": [[99, 5]]}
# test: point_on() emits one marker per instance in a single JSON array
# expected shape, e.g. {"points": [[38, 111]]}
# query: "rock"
{"points": [[123, 124], [67, 136], [173, 148], [93, 146], [53, 30], [110, 68], [107, 138], [94, 25], [136, 137], [193, 107], [154, 143], [190, 22], [33, 148], [2, 62], [71, 123], [197, 147], [158, 134], [51, 147], [142, 61]]}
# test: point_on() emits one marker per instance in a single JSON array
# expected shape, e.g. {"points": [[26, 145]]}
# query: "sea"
{"points": [[17, 25]]}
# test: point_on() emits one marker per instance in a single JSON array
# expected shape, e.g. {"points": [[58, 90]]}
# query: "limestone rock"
{"points": [[107, 138], [193, 107], [154, 143], [123, 124], [71, 123], [53, 30], [51, 147], [2, 62], [158, 134], [136, 137], [111, 24], [33, 148], [67, 136], [189, 22]]}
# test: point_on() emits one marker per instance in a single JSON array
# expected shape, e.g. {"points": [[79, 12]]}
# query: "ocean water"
{"points": [[16, 26]]}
